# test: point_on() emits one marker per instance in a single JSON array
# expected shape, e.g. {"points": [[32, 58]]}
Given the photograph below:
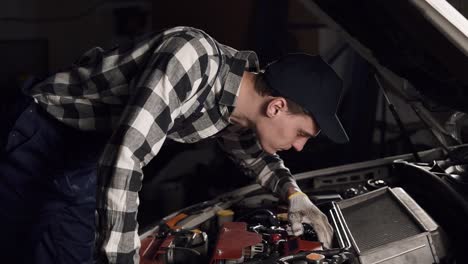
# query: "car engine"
{"points": [[382, 211], [236, 235]]}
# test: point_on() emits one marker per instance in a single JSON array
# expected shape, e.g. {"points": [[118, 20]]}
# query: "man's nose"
{"points": [[298, 145]]}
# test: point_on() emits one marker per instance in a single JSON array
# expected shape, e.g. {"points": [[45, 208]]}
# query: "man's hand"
{"points": [[302, 210]]}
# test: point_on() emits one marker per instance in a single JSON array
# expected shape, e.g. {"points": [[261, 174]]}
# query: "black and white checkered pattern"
{"points": [[178, 84]]}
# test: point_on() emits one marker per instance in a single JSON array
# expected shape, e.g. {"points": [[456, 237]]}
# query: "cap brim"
{"points": [[332, 128]]}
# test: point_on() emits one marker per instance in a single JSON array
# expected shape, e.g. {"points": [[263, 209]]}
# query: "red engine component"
{"points": [[152, 249], [296, 245], [233, 241], [275, 238]]}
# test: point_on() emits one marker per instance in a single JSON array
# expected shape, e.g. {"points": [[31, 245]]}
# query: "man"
{"points": [[121, 105]]}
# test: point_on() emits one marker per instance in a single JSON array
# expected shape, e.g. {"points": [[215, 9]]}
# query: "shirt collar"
{"points": [[242, 61]]}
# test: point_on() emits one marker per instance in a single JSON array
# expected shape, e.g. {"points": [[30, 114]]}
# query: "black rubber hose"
{"points": [[445, 191], [271, 216], [440, 200]]}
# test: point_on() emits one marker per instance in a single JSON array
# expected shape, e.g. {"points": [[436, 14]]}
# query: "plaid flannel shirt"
{"points": [[179, 84]]}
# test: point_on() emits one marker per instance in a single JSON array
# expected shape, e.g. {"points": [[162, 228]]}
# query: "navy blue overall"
{"points": [[47, 191]]}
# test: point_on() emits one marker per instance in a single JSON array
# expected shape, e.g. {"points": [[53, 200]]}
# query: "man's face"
{"points": [[281, 130]]}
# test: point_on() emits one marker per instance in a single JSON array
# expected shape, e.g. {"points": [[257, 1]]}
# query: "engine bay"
{"points": [[240, 234], [382, 211]]}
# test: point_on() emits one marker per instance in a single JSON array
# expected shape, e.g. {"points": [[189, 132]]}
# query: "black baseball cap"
{"points": [[313, 84]]}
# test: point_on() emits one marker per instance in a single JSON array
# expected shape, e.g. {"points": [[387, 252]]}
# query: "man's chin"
{"points": [[268, 150], [271, 152]]}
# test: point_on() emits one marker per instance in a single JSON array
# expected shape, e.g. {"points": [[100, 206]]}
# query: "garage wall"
{"points": [[226, 21], [69, 26]]}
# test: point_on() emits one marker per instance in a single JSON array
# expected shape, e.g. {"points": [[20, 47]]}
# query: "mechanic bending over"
{"points": [[82, 143]]}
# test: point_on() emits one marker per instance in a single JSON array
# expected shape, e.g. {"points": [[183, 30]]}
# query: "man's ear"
{"points": [[275, 106]]}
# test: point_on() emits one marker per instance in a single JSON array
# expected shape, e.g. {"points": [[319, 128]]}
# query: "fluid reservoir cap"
{"points": [[315, 258], [282, 217], [225, 212], [224, 216], [196, 231]]}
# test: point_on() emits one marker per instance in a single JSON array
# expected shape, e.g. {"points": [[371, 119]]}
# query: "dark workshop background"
{"points": [[40, 37]]}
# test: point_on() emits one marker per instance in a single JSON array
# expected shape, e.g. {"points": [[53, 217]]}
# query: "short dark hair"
{"points": [[262, 88]]}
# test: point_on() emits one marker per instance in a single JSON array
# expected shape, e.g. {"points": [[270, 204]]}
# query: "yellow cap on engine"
{"points": [[226, 212], [282, 217], [225, 216]]}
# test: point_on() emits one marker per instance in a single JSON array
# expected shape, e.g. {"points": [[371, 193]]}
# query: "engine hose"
{"points": [[271, 216], [441, 201], [302, 255], [187, 250], [191, 257], [444, 189]]}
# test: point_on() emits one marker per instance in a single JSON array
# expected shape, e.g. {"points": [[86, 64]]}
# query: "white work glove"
{"points": [[302, 210]]}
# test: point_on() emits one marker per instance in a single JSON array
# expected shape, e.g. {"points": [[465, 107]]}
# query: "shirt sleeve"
{"points": [[91, 93], [243, 148], [172, 75]]}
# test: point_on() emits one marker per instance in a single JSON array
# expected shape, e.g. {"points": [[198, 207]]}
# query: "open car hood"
{"points": [[423, 41]]}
